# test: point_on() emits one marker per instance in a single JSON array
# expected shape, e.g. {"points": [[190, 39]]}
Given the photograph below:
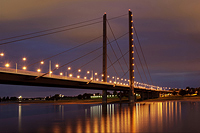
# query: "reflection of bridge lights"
{"points": [[78, 76], [79, 70], [38, 70], [69, 68], [88, 72], [7, 65], [24, 59], [42, 62], [61, 74], [24, 68], [70, 75], [2, 54]]}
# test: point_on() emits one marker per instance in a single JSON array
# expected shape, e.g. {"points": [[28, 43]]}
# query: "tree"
{"points": [[182, 92], [174, 93]]}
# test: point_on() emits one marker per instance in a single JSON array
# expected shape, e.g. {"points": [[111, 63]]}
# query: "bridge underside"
{"points": [[29, 80]]}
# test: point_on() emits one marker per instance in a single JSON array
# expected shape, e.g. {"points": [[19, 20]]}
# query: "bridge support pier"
{"points": [[104, 96], [142, 95]]}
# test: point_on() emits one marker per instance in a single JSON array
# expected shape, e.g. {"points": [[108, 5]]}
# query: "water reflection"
{"points": [[111, 118], [128, 118]]}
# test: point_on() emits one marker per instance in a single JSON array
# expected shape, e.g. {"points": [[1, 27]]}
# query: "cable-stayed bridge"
{"points": [[63, 74]]}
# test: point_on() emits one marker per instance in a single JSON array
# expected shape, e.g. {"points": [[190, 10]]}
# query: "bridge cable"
{"points": [[88, 62], [142, 52], [112, 65], [41, 31], [67, 50], [141, 63], [71, 61], [137, 70], [115, 54], [75, 47], [117, 43], [50, 29], [50, 33]]}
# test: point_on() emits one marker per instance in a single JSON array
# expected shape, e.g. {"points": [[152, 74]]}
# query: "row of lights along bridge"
{"points": [[94, 76]]}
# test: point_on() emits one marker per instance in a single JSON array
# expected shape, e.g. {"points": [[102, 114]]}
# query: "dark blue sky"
{"points": [[168, 31]]}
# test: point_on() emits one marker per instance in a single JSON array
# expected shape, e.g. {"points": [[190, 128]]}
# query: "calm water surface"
{"points": [[149, 117]]}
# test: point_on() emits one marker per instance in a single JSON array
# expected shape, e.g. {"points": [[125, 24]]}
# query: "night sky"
{"points": [[168, 31]]}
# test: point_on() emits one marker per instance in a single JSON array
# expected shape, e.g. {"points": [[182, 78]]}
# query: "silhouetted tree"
{"points": [[7, 98], [3, 99], [80, 96], [13, 98], [182, 92], [174, 93]]}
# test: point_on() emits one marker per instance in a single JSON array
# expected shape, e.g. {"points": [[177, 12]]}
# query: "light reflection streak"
{"points": [[120, 118], [20, 117]]}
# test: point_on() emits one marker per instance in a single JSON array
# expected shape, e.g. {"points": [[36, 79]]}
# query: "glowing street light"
{"points": [[69, 68], [50, 72], [79, 70], [7, 65], [95, 73], [2, 54], [24, 59], [70, 75], [38, 70], [57, 65], [24, 68], [78, 76], [85, 77], [61, 74], [42, 62], [88, 72]]}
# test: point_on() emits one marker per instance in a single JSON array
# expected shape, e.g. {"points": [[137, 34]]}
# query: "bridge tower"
{"points": [[104, 92], [131, 59]]}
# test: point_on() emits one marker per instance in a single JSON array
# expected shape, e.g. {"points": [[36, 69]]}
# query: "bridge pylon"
{"points": [[131, 59], [104, 92]]}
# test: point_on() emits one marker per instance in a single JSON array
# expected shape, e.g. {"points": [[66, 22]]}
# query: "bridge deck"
{"points": [[21, 77]]}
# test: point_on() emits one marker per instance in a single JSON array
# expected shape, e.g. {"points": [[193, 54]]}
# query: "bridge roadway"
{"points": [[21, 77]]}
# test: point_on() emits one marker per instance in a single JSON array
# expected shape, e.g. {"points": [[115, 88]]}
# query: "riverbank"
{"points": [[109, 100]]}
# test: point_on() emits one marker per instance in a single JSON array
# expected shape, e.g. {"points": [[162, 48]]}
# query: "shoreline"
{"points": [[109, 100]]}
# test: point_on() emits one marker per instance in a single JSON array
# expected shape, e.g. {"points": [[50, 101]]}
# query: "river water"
{"points": [[171, 116]]}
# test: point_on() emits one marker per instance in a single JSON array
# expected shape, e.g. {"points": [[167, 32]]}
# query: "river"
{"points": [[170, 116]]}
